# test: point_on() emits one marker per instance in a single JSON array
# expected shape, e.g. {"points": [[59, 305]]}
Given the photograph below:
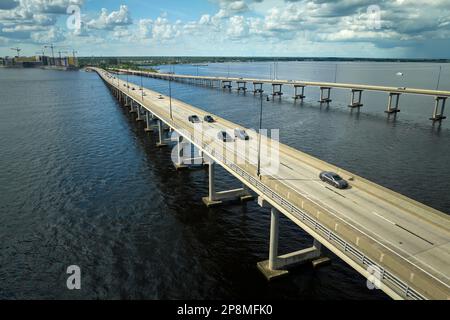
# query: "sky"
{"points": [[301, 28]]}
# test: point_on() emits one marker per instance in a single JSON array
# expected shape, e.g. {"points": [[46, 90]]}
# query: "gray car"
{"points": [[241, 134], [334, 179], [194, 119], [224, 136]]}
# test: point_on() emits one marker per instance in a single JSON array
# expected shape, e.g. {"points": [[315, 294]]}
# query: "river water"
{"points": [[81, 184]]}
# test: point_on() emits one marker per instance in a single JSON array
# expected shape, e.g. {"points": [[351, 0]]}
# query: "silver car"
{"points": [[333, 179], [224, 136], [194, 119], [241, 134]]}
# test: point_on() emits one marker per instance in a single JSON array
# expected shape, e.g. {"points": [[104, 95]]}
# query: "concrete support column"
{"points": [[148, 127], [438, 116], [276, 92], [300, 96], [130, 105], [356, 103], [391, 109], [217, 198], [436, 107], [180, 154], [278, 265], [138, 111], [160, 133], [325, 98], [212, 177], [273, 247], [257, 87]]}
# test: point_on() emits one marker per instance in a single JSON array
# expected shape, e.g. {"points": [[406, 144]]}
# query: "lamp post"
{"points": [[170, 97], [401, 75], [142, 87], [335, 73], [258, 172], [128, 84], [439, 78]]}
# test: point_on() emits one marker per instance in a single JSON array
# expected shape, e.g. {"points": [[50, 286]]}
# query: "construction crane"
{"points": [[17, 50], [74, 53], [74, 57], [51, 46]]}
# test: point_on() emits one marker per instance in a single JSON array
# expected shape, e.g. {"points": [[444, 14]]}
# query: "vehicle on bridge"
{"points": [[209, 119], [241, 134], [194, 119], [225, 136], [333, 179]]}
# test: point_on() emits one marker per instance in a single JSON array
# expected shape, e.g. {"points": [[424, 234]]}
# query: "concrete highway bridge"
{"points": [[356, 90], [400, 245]]}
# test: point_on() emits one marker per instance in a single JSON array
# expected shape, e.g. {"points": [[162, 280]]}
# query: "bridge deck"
{"points": [[367, 222], [426, 92]]}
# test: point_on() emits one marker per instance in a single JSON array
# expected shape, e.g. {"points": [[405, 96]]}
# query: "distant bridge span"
{"points": [[356, 90]]}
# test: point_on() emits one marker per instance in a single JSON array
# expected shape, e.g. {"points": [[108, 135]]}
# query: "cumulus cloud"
{"points": [[109, 21], [32, 19], [52, 35], [238, 27], [401, 23]]}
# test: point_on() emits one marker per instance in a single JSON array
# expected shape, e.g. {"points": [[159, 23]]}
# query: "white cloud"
{"points": [[108, 21], [145, 28], [52, 35], [163, 30], [280, 25], [237, 27]]}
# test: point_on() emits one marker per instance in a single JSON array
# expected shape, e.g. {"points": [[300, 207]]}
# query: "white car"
{"points": [[241, 134]]}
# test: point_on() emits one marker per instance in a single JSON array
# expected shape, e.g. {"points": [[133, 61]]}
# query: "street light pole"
{"points": [[259, 136], [170, 97], [439, 78], [128, 84], [142, 86]]}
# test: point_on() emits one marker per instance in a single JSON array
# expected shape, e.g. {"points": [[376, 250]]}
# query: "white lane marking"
{"points": [[379, 215]]}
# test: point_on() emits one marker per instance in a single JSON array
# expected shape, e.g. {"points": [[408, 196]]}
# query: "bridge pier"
{"points": [[217, 198], [161, 142], [325, 98], [276, 92], [390, 109], [242, 85], [277, 265], [132, 108], [356, 103], [148, 120], [179, 165], [138, 111], [300, 96], [259, 89], [226, 84], [439, 116]]}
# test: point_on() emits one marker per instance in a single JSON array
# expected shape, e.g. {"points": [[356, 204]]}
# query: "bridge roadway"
{"points": [[416, 91], [394, 93], [368, 226]]}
